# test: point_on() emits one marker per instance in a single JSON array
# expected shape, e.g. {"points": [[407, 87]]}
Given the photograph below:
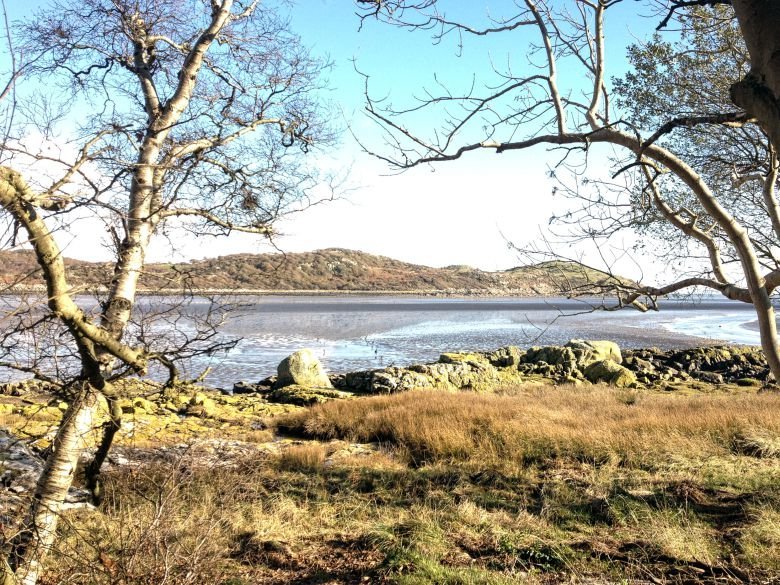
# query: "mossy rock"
{"points": [[557, 358], [305, 396], [40, 412], [143, 405], [588, 352], [202, 406], [610, 372], [505, 357], [475, 360]]}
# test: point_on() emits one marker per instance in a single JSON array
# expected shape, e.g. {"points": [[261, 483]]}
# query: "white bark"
{"points": [[38, 533]]}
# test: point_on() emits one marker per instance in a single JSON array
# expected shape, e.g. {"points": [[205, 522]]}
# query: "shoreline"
{"points": [[465, 293]]}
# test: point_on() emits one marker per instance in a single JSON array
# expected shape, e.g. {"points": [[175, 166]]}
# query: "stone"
{"points": [[588, 352], [303, 369], [305, 395], [506, 357], [561, 359], [711, 377], [473, 360], [143, 405], [610, 372], [202, 406]]}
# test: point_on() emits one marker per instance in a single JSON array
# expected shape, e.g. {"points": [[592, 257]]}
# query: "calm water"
{"points": [[355, 333], [352, 333]]}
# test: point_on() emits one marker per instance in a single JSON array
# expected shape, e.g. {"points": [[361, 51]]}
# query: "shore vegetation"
{"points": [[531, 483]]}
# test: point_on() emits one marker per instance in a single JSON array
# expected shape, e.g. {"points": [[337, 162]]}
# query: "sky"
{"points": [[461, 212]]}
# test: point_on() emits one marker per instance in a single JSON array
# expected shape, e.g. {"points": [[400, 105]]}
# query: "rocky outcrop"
{"points": [[488, 370], [303, 395], [577, 362], [715, 365], [302, 369], [453, 371]]}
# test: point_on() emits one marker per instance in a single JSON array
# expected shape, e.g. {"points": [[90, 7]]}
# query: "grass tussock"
{"points": [[306, 458], [595, 424]]}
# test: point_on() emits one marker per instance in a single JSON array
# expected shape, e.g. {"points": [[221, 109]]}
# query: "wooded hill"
{"points": [[331, 269]]}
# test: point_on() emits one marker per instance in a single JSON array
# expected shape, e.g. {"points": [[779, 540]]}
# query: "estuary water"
{"points": [[363, 332]]}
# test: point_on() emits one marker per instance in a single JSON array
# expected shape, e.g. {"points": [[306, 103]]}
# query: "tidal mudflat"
{"points": [[355, 333]]}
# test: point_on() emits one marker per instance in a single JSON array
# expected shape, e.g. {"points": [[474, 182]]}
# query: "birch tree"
{"points": [[194, 114]]}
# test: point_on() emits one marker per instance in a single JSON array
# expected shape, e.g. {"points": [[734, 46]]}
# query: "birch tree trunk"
{"points": [[37, 536]]}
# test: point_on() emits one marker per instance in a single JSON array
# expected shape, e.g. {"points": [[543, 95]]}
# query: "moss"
{"points": [[748, 382], [301, 396]]}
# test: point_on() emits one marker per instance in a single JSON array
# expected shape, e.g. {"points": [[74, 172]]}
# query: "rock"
{"points": [[474, 360], [711, 377], [639, 365], [562, 357], [144, 405], [243, 387], [304, 395], [610, 372], [453, 371], [303, 369], [707, 364], [505, 357], [387, 381], [202, 406], [588, 352]]}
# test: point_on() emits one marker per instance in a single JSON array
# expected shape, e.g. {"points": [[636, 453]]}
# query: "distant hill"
{"points": [[333, 269]]}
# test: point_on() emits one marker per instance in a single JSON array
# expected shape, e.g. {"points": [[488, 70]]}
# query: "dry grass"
{"points": [[594, 424], [539, 487], [306, 458], [760, 541]]}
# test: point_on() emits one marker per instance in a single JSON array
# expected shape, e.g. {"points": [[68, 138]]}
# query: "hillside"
{"points": [[332, 269]]}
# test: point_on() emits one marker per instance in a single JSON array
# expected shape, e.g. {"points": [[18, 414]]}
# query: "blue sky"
{"points": [[454, 213]]}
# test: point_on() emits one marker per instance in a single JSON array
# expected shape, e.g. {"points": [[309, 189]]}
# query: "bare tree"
{"points": [[199, 112], [532, 102]]}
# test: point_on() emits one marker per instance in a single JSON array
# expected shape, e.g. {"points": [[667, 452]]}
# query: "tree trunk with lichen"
{"points": [[25, 553], [37, 536]]}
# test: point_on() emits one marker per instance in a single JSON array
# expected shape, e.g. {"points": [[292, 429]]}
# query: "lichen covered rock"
{"points": [[506, 357], [610, 372], [304, 395], [303, 369], [587, 352], [551, 359]]}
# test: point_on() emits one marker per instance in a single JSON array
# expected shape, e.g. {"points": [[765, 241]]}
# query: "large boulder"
{"points": [[303, 369], [587, 352], [610, 372]]}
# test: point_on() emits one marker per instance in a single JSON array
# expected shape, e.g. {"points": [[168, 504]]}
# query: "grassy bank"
{"points": [[536, 485]]}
